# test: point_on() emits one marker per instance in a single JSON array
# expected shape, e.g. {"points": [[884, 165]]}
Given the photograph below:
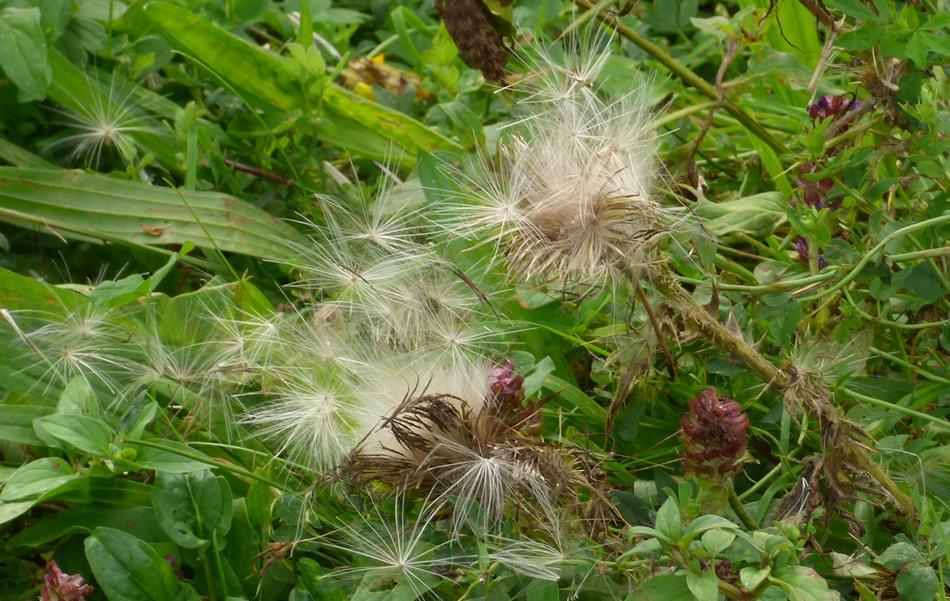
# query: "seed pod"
{"points": [[714, 432], [470, 25]]}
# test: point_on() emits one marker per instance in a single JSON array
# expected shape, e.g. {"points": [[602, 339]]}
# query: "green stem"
{"points": [[940, 422], [688, 76], [934, 221], [736, 504]]}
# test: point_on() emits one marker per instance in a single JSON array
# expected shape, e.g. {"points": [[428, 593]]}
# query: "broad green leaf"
{"points": [[88, 434], [917, 583], [128, 569], [167, 461], [95, 206], [78, 398], [19, 157], [16, 422], [194, 509], [139, 521], [758, 215], [85, 95], [668, 520], [11, 511], [717, 540], [792, 29], [270, 82], [853, 8], [897, 555], [804, 584], [313, 577], [704, 587], [542, 590], [707, 522], [36, 478], [667, 588], [751, 577], [23, 52]]}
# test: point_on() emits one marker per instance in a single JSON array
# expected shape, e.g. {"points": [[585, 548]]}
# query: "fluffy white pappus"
{"points": [[482, 482], [312, 419], [103, 120], [393, 545], [531, 558], [570, 198], [87, 342]]}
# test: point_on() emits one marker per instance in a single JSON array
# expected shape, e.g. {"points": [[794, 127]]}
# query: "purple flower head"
{"points": [[801, 245], [507, 385], [832, 106], [714, 433]]}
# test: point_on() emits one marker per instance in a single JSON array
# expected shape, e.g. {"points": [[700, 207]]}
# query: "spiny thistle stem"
{"points": [[719, 334], [688, 76]]}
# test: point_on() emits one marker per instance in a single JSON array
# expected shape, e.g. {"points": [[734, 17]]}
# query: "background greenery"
{"points": [[152, 153]]}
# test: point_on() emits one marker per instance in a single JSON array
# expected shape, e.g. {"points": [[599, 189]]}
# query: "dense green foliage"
{"points": [[269, 331]]}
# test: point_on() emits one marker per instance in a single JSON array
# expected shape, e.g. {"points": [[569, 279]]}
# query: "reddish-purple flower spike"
{"points": [[59, 586], [507, 385], [715, 433]]}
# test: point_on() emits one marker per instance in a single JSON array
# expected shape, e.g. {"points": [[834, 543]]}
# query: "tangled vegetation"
{"points": [[474, 299]]}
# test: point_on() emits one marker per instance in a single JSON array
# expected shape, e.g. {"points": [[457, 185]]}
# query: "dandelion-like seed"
{"points": [[312, 421], [531, 558], [87, 342], [570, 200], [102, 120], [395, 546]]}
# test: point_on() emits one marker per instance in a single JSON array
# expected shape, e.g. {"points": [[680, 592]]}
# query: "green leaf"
{"points": [[37, 477], [138, 521], [668, 521], [916, 48], [853, 8], [128, 569], [23, 52], [751, 577], [313, 576], [917, 583], [897, 555], [19, 157], [270, 82], [705, 587], [88, 434], [16, 423], [716, 540], [707, 522], [542, 590], [194, 509], [79, 204], [78, 398], [804, 584], [167, 461], [861, 38], [667, 588], [758, 215]]}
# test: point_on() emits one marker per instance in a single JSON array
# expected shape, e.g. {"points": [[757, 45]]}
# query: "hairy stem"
{"points": [[709, 326]]}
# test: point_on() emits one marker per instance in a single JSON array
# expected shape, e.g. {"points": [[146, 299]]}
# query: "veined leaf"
{"points": [[74, 204], [270, 82]]}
